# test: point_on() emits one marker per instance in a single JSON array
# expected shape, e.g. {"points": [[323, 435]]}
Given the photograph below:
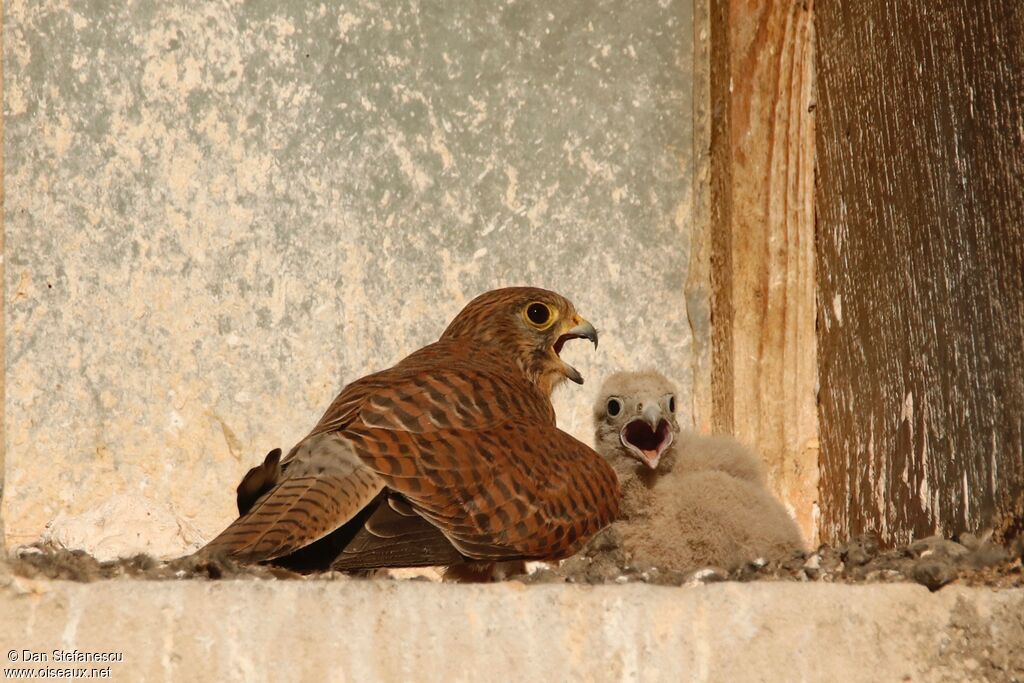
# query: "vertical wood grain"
{"points": [[763, 240], [720, 218], [921, 259]]}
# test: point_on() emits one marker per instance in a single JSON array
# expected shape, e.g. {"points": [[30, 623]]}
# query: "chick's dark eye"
{"points": [[614, 407], [671, 404], [538, 314]]}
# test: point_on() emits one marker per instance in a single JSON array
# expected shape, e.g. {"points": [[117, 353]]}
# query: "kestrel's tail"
{"points": [[258, 481]]}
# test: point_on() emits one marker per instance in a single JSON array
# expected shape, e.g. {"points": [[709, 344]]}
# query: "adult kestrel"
{"points": [[688, 500], [451, 455]]}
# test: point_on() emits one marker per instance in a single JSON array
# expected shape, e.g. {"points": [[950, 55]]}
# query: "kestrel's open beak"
{"points": [[582, 330], [646, 437]]}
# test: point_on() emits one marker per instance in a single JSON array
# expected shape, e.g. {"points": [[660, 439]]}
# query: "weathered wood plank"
{"points": [[921, 266], [763, 239], [721, 217]]}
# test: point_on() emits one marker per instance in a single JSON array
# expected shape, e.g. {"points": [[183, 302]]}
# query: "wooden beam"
{"points": [[921, 260], [762, 217]]}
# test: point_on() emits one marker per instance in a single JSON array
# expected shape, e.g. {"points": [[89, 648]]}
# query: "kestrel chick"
{"points": [[635, 417], [452, 455], [688, 501]]}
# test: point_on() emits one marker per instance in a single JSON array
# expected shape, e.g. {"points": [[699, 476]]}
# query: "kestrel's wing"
{"points": [[324, 485], [476, 453], [321, 485]]}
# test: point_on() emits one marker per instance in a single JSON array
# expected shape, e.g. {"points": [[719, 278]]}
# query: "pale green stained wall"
{"points": [[218, 213]]}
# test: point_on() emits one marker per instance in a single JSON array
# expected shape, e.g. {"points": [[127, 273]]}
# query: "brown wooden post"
{"points": [[762, 239], [921, 266]]}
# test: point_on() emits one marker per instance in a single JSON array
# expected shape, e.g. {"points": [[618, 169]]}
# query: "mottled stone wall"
{"points": [[218, 213]]}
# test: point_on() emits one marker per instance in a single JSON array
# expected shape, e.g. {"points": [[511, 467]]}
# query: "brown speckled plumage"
{"points": [[451, 454]]}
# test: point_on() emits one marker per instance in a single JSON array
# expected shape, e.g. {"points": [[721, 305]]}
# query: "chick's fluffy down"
{"points": [[706, 504], [712, 509]]}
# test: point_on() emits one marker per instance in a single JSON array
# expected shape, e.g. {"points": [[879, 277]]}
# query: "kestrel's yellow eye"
{"points": [[539, 315]]}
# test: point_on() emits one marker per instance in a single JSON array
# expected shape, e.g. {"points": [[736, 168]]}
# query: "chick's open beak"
{"points": [[652, 416], [647, 436], [582, 330]]}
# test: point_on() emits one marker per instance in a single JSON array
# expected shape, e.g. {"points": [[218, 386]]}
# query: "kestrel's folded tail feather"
{"points": [[325, 485], [258, 481], [396, 536]]}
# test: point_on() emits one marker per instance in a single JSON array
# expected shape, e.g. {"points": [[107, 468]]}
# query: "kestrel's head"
{"points": [[530, 325], [635, 416]]}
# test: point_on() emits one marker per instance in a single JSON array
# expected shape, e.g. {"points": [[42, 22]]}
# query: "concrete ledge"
{"points": [[406, 630]]}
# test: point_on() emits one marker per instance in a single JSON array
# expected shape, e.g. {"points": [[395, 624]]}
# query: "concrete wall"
{"points": [[379, 630], [218, 213]]}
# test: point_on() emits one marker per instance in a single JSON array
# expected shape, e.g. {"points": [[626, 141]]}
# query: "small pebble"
{"points": [[856, 556], [934, 573]]}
